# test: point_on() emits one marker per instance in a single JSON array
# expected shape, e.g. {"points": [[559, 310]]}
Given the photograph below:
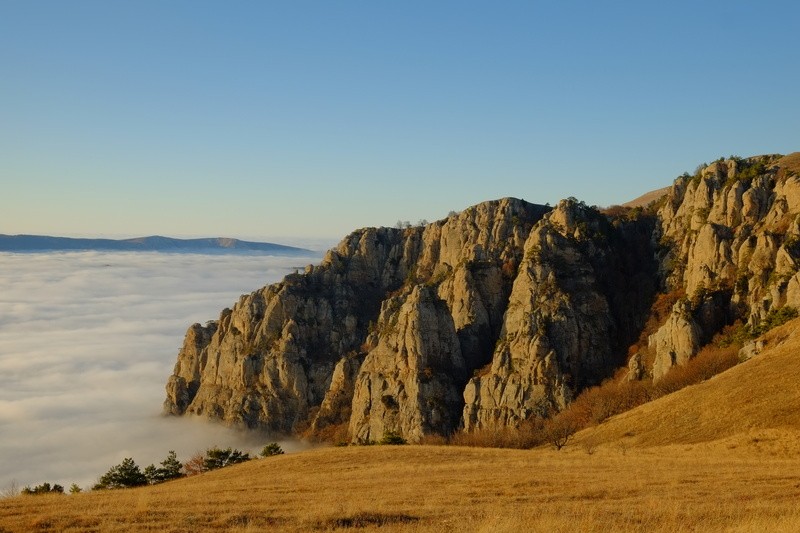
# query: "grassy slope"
{"points": [[758, 397], [718, 456], [421, 488], [791, 161], [646, 198]]}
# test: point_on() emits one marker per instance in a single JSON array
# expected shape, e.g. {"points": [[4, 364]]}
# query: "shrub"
{"points": [[659, 311], [194, 465], [775, 318], [740, 333], [11, 490], [709, 361], [615, 211], [560, 429], [509, 269], [527, 435], [596, 404], [392, 438], [434, 439], [337, 434], [44, 488], [273, 448]]}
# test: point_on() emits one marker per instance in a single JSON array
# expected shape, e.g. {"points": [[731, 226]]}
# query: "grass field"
{"points": [[424, 488], [723, 455]]}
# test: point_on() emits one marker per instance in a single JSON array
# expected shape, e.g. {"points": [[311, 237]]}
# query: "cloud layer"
{"points": [[87, 341]]}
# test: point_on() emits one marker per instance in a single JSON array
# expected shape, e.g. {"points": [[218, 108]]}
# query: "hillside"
{"points": [[498, 303], [755, 404], [42, 243], [718, 456], [646, 198], [424, 488], [501, 313]]}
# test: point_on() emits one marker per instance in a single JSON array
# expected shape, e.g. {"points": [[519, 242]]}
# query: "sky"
{"points": [[264, 120], [87, 342]]}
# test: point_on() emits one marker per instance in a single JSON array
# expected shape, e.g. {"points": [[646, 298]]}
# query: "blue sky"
{"points": [[301, 119]]}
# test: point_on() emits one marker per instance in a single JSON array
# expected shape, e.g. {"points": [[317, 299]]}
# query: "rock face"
{"points": [[411, 381], [729, 239], [502, 312], [575, 302], [291, 355]]}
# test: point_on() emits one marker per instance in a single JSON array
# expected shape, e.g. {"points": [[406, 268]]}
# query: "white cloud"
{"points": [[87, 342]]}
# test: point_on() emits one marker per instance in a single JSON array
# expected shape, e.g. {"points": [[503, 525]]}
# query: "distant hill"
{"points": [[41, 243]]}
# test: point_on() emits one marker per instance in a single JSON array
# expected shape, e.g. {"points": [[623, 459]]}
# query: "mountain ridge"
{"points": [[502, 312], [153, 243]]}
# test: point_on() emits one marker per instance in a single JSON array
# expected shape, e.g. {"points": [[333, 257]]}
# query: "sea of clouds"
{"points": [[87, 342]]}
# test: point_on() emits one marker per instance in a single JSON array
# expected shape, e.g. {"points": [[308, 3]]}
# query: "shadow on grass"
{"points": [[359, 520]]}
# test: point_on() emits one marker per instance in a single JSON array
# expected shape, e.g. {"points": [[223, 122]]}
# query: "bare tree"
{"points": [[10, 491], [560, 429]]}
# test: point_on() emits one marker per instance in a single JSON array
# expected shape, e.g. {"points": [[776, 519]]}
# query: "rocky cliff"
{"points": [[498, 313], [579, 298], [294, 355], [730, 240]]}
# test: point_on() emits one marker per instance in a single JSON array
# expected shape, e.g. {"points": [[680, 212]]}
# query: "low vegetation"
{"points": [[392, 438], [44, 488], [599, 403], [218, 458], [721, 455], [271, 450], [438, 489], [128, 474]]}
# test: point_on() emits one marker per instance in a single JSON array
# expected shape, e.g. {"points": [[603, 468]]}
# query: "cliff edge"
{"points": [[499, 313]]}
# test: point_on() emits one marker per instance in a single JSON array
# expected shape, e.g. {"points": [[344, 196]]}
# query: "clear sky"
{"points": [[299, 119]]}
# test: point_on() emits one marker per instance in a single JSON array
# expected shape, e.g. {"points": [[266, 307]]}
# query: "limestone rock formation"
{"points": [[499, 313], [572, 308], [270, 362], [411, 381], [676, 341], [729, 237]]}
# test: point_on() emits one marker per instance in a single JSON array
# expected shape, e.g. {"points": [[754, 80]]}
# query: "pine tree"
{"points": [[124, 475], [170, 469], [218, 458]]}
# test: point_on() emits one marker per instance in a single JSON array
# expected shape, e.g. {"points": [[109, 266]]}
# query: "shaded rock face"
{"points": [[289, 356], [496, 314], [411, 381], [578, 299]]}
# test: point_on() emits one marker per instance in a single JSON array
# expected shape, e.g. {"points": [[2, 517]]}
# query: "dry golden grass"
{"points": [[646, 198], [429, 488], [790, 162], [758, 397], [723, 455]]}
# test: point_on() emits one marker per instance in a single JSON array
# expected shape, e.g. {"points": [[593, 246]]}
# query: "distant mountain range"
{"points": [[42, 243]]}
